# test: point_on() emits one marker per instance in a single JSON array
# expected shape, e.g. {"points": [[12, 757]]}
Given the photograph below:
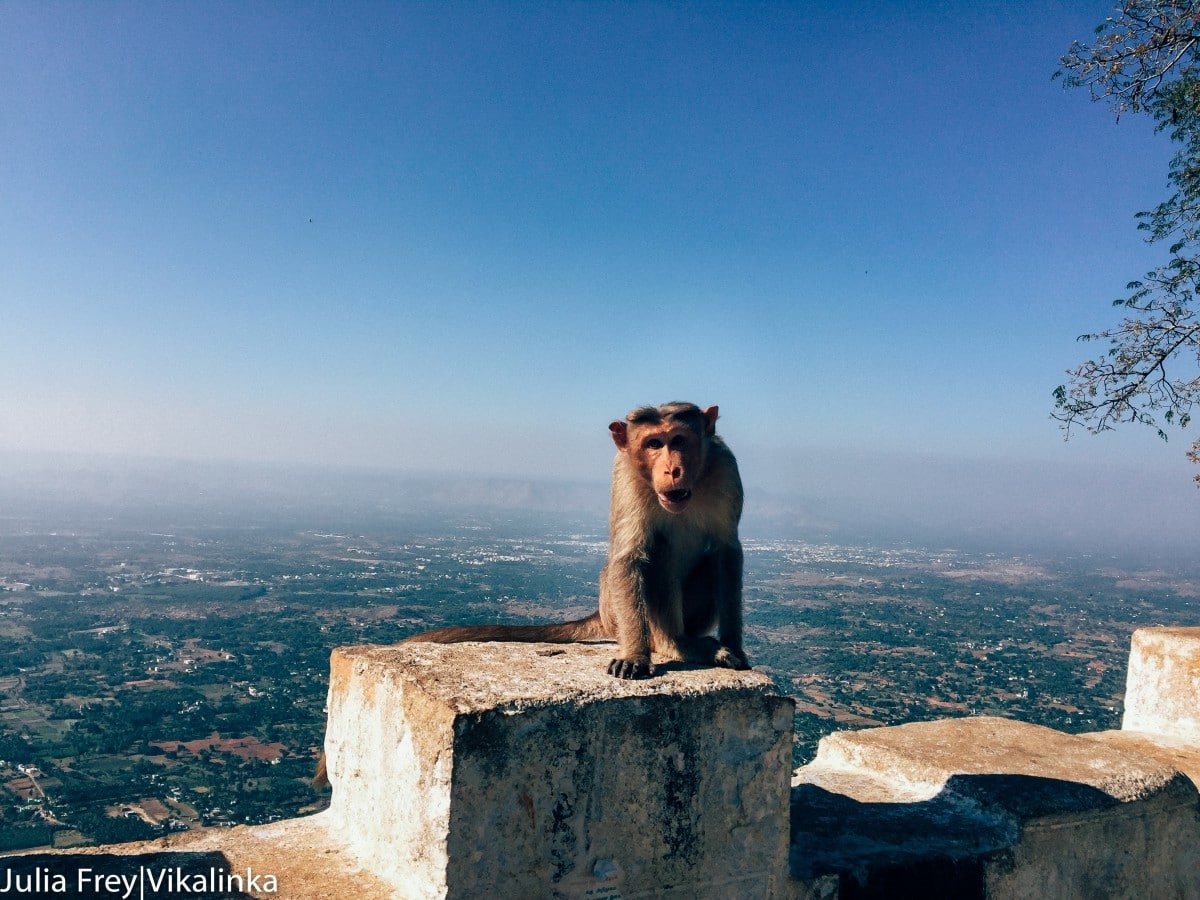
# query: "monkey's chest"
{"points": [[679, 550]]}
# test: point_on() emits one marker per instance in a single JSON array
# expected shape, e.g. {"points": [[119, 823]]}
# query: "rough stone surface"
{"points": [[919, 758], [307, 861], [856, 825], [1169, 751], [1162, 688], [525, 770], [988, 807], [824, 887]]}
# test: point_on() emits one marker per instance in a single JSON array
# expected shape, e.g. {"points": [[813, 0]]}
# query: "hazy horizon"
{"points": [[977, 506]]}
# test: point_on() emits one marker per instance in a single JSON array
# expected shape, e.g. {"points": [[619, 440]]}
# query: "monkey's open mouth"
{"points": [[674, 501]]}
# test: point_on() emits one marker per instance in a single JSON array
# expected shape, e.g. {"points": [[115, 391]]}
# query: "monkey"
{"points": [[674, 568]]}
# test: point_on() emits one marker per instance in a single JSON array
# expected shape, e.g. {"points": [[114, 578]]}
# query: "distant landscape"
{"points": [[315, 318], [165, 667]]}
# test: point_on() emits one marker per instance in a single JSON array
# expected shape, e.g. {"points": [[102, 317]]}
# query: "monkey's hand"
{"points": [[730, 659], [631, 668]]}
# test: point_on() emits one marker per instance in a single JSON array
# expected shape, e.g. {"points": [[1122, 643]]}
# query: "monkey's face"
{"points": [[670, 458]]}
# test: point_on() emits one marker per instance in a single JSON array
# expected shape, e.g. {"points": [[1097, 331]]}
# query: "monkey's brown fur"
{"points": [[674, 567]]}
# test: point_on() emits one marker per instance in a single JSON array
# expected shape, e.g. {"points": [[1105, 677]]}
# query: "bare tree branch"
{"points": [[1146, 59]]}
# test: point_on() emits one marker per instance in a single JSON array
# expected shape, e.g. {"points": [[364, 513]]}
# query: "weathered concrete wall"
{"points": [[994, 808], [526, 771], [1162, 689]]}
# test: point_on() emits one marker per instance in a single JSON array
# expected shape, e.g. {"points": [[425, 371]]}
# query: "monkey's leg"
{"points": [[665, 610], [707, 650], [729, 562], [712, 596]]}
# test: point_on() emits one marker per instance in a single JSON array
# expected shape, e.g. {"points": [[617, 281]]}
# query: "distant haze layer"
{"points": [[1044, 508]]}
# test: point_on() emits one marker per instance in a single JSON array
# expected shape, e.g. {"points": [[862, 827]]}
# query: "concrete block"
{"points": [[515, 770], [986, 807], [1162, 688]]}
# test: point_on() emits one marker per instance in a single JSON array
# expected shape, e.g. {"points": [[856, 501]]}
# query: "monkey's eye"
{"points": [[677, 442], [654, 444]]}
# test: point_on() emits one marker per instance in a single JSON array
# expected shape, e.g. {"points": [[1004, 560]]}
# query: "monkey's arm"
{"points": [[623, 599]]}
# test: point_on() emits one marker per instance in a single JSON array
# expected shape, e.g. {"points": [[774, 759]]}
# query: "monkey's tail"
{"points": [[562, 633]]}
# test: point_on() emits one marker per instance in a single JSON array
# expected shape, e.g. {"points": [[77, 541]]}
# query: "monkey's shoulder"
{"points": [[721, 464], [718, 495]]}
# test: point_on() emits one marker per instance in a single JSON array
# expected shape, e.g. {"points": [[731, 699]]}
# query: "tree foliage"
{"points": [[1145, 59]]}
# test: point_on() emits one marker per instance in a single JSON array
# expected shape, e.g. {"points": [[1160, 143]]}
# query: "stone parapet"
{"points": [[469, 770], [988, 807], [505, 770]]}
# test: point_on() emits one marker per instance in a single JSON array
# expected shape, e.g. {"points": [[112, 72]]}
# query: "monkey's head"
{"points": [[667, 446]]}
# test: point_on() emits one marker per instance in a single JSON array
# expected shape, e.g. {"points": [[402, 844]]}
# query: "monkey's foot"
{"points": [[730, 659], [630, 668]]}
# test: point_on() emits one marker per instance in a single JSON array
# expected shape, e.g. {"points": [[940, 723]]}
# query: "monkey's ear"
{"points": [[710, 421], [620, 434]]}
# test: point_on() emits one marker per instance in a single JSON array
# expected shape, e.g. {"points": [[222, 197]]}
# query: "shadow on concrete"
{"points": [[926, 849], [142, 876]]}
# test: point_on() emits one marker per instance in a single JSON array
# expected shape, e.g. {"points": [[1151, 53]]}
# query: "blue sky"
{"points": [[466, 236]]}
